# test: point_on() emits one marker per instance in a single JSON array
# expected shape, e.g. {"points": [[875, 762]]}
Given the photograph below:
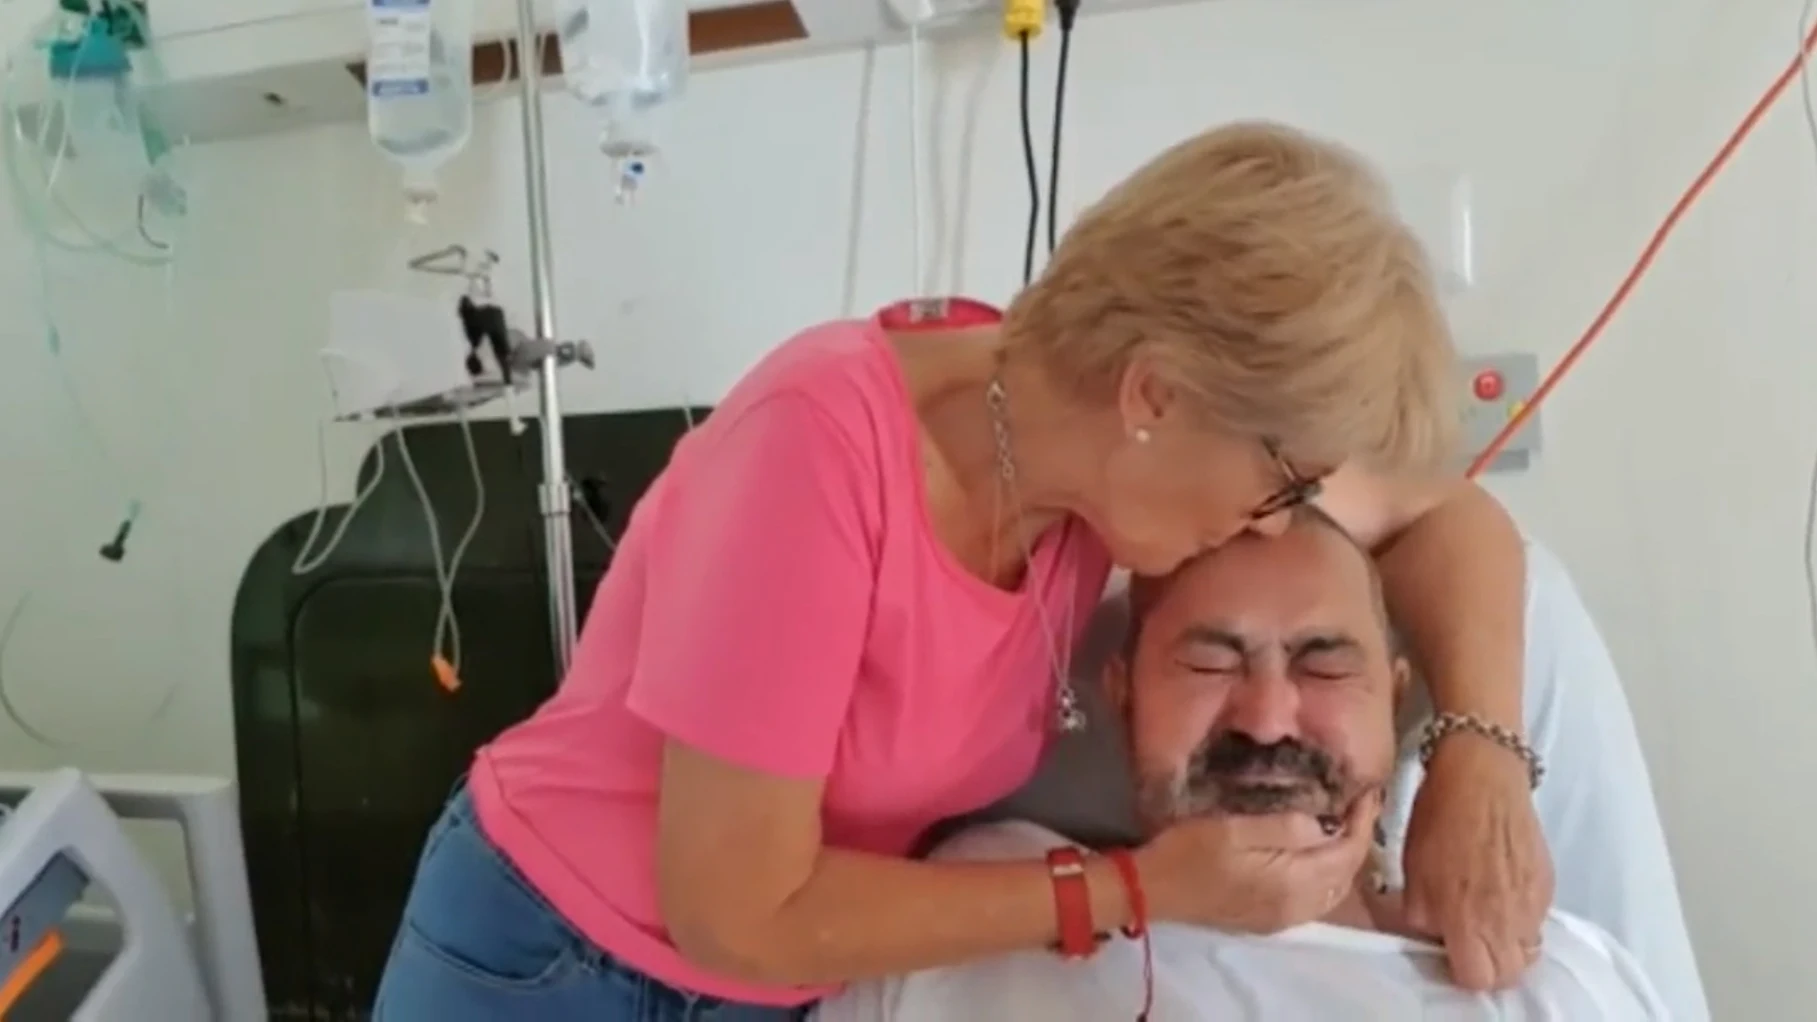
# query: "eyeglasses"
{"points": [[1297, 490]]}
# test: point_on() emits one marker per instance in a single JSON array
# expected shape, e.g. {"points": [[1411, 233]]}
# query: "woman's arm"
{"points": [[1479, 876], [1454, 570], [748, 889]]}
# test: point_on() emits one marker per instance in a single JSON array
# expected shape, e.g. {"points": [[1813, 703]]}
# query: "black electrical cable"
{"points": [[1034, 175], [1068, 9]]}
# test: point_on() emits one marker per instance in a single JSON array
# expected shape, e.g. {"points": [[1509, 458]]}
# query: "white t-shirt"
{"points": [[1316, 973]]}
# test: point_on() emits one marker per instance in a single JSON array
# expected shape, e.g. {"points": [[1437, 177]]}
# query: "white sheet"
{"points": [[1315, 973]]}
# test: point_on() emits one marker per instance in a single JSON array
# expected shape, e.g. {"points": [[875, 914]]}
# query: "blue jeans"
{"points": [[478, 944]]}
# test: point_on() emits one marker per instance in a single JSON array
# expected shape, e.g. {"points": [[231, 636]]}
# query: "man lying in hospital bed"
{"points": [[1262, 679]]}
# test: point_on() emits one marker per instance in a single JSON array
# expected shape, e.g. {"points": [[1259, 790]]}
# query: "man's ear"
{"points": [[1116, 681], [1403, 678]]}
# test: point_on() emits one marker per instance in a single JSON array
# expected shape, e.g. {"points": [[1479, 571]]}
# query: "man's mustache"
{"points": [[1232, 754]]}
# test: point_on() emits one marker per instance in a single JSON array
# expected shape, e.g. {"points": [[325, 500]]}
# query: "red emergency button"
{"points": [[1488, 385]]}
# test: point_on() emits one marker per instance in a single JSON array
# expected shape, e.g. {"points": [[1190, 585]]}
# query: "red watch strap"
{"points": [[1072, 903]]}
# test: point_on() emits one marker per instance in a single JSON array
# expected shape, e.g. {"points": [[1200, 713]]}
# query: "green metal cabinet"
{"points": [[347, 746]]}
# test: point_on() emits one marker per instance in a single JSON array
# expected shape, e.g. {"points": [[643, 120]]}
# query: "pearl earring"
{"points": [[1141, 435]]}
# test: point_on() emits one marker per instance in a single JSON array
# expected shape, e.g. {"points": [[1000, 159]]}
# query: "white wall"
{"points": [[1677, 502]]}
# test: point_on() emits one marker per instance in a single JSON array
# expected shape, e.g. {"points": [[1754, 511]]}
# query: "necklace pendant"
{"points": [[1069, 718]]}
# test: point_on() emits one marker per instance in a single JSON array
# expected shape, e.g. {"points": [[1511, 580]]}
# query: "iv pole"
{"points": [[555, 498]]}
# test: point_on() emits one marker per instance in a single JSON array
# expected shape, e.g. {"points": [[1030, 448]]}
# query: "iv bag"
{"points": [[419, 89], [624, 58]]}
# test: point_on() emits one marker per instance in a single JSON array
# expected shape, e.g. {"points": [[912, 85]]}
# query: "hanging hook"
{"points": [[456, 261], [448, 262]]}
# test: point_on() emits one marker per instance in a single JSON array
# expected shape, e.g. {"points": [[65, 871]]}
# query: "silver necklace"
{"points": [[1068, 717]]}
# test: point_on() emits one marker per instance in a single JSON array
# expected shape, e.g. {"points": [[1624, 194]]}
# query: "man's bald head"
{"points": [[1145, 591], [1263, 677]]}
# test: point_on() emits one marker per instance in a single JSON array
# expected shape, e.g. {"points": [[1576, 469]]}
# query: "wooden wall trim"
{"points": [[719, 30]]}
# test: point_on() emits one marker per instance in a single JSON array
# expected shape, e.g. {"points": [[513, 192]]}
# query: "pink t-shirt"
{"points": [[779, 601]]}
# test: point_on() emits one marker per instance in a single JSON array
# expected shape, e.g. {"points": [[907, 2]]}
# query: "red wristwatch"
{"points": [[1072, 903]]}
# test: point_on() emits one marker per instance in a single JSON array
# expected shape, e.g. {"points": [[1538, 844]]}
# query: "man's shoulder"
{"points": [[1083, 787]]}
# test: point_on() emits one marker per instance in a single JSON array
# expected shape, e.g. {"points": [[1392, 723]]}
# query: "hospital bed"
{"points": [[88, 932]]}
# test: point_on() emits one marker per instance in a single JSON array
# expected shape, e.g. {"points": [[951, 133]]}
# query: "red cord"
{"points": [[1138, 923], [1647, 255]]}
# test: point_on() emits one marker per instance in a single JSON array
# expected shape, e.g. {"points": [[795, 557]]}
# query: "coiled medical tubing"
{"points": [[75, 47]]}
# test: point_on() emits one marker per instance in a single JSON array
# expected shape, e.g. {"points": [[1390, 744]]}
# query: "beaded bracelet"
{"points": [[1444, 724]]}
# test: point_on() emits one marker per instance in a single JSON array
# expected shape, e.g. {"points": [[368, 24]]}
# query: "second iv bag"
{"points": [[419, 89], [624, 58]]}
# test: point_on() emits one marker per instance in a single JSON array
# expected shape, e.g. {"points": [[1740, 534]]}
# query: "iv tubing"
{"points": [[1639, 270], [309, 558], [447, 625]]}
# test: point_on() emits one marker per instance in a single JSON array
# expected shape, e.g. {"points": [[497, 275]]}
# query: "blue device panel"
{"points": [[38, 911]]}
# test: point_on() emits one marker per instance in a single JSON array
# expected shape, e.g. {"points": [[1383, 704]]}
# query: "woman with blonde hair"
{"points": [[844, 613]]}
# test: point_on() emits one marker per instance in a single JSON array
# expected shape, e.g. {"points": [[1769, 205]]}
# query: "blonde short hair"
{"points": [[1269, 275]]}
